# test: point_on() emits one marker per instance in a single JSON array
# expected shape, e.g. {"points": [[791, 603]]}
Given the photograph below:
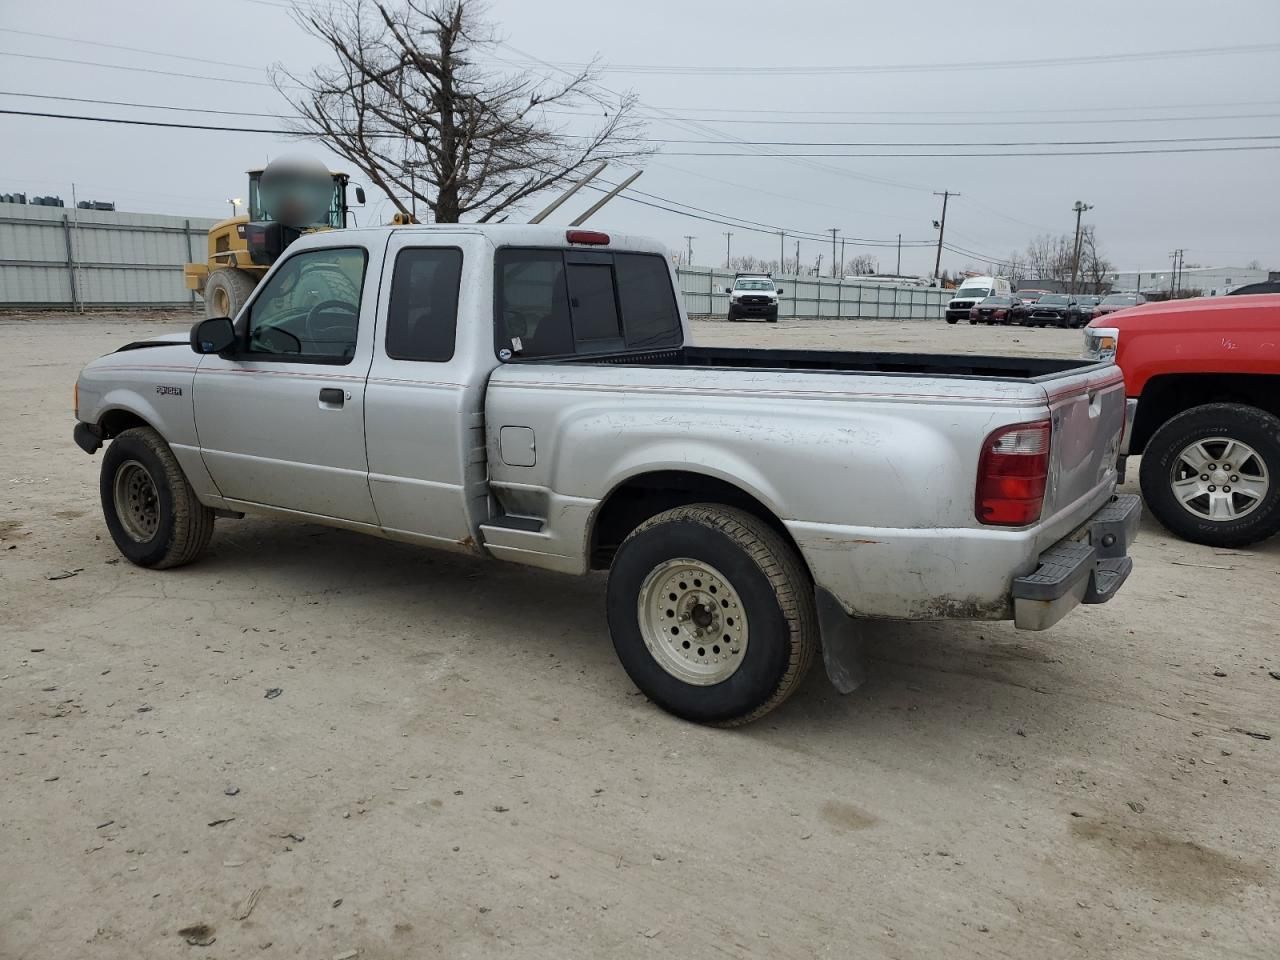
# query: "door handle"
{"points": [[332, 396]]}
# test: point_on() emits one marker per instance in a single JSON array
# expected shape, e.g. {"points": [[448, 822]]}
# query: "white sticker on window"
{"points": [[516, 345]]}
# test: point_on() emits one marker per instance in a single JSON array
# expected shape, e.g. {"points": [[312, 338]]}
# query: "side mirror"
{"points": [[360, 195], [214, 335], [779, 291]]}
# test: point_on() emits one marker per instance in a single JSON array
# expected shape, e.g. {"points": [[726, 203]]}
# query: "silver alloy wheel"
{"points": [[137, 501], [1219, 479], [692, 621]]}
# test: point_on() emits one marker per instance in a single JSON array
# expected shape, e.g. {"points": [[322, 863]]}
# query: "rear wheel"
{"points": [[151, 511], [226, 291], [712, 614], [1212, 474]]}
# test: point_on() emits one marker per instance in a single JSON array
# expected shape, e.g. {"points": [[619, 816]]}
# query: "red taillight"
{"points": [[973, 313], [592, 237], [1012, 474]]}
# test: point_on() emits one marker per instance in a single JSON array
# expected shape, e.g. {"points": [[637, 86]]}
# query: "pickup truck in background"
{"points": [[753, 295], [529, 394], [1202, 382]]}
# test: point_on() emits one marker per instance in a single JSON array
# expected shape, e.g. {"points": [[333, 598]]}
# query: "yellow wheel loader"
{"points": [[242, 249]]}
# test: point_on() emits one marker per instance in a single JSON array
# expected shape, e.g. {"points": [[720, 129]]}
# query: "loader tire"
{"points": [[226, 292]]}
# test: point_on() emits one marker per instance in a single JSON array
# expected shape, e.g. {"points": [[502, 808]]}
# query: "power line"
{"points": [[150, 123], [1110, 108], [1004, 64], [962, 123], [117, 46], [958, 156], [145, 106], [955, 143], [118, 66]]}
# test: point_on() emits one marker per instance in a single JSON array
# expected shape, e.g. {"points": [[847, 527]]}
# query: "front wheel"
{"points": [[151, 511], [1212, 474], [712, 614], [951, 320]]}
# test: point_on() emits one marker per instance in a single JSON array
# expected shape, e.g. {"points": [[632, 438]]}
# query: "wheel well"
{"points": [[638, 498], [115, 422], [1165, 397]]}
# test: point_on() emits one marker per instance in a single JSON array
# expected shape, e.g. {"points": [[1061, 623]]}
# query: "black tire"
{"points": [[972, 322], [776, 597], [951, 320], [182, 524], [1236, 421], [226, 291]]}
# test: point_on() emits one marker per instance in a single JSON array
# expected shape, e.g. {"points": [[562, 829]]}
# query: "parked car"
{"points": [[1118, 301], [971, 291], [993, 310], [753, 295], [1202, 378], [1081, 310], [1249, 289], [530, 395], [1029, 295], [1049, 310]]}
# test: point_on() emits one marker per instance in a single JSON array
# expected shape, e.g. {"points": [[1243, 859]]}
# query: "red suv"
{"points": [[1202, 381]]}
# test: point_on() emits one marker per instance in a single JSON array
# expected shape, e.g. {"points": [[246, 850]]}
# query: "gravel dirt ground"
{"points": [[455, 765]]}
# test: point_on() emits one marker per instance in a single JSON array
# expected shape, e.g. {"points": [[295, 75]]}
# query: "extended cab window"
{"points": [[310, 308], [560, 302], [422, 317]]}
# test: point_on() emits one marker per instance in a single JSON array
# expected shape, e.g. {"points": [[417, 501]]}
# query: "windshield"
{"points": [[753, 285], [332, 219], [1051, 298], [1119, 299], [978, 292]]}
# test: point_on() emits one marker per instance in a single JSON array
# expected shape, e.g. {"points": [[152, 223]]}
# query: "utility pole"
{"points": [[798, 270], [1079, 207], [782, 257], [1182, 259], [833, 231], [689, 240], [1175, 273], [842, 260], [897, 271], [727, 237], [817, 270], [942, 228]]}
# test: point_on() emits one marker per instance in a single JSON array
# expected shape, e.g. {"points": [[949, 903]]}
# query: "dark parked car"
{"points": [[1082, 310], [1249, 289], [993, 310], [1050, 310], [1118, 301]]}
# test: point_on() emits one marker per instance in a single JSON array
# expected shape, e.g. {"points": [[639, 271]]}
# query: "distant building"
{"points": [[1210, 281]]}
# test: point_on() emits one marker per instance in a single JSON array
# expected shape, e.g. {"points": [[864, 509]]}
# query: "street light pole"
{"points": [[1079, 207], [942, 229], [234, 203]]}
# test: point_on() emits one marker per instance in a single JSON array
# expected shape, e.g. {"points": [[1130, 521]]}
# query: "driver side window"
{"points": [[310, 308]]}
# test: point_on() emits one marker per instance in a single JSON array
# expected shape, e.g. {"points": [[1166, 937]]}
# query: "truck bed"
{"points": [[1031, 369]]}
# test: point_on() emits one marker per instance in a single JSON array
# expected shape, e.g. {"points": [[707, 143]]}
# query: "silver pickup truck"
{"points": [[531, 394]]}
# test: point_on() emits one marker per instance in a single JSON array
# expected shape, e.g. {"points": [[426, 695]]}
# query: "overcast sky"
{"points": [[1222, 207]]}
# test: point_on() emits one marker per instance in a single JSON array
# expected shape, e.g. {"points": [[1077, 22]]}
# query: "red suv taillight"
{"points": [[1012, 473], [973, 313]]}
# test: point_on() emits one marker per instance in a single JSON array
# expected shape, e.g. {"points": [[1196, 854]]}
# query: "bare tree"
{"points": [[1095, 269], [864, 264], [408, 104], [1050, 257]]}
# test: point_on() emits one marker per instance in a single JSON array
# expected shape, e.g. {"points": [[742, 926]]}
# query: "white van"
{"points": [[971, 291]]}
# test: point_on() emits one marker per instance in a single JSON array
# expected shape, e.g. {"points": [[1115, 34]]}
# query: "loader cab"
{"points": [[266, 238], [337, 216]]}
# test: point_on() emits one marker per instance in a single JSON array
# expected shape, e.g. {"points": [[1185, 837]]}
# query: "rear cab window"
{"points": [[563, 302], [422, 314]]}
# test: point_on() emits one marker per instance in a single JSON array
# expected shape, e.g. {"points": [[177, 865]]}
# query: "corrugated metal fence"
{"points": [[63, 257], [704, 294]]}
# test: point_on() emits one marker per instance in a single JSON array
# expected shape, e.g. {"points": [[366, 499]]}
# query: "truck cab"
{"points": [[1202, 385]]}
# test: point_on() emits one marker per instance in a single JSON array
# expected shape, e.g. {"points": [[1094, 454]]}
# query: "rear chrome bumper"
{"points": [[1088, 566]]}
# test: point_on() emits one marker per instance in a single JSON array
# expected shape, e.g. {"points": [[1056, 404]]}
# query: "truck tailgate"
{"points": [[1087, 411]]}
